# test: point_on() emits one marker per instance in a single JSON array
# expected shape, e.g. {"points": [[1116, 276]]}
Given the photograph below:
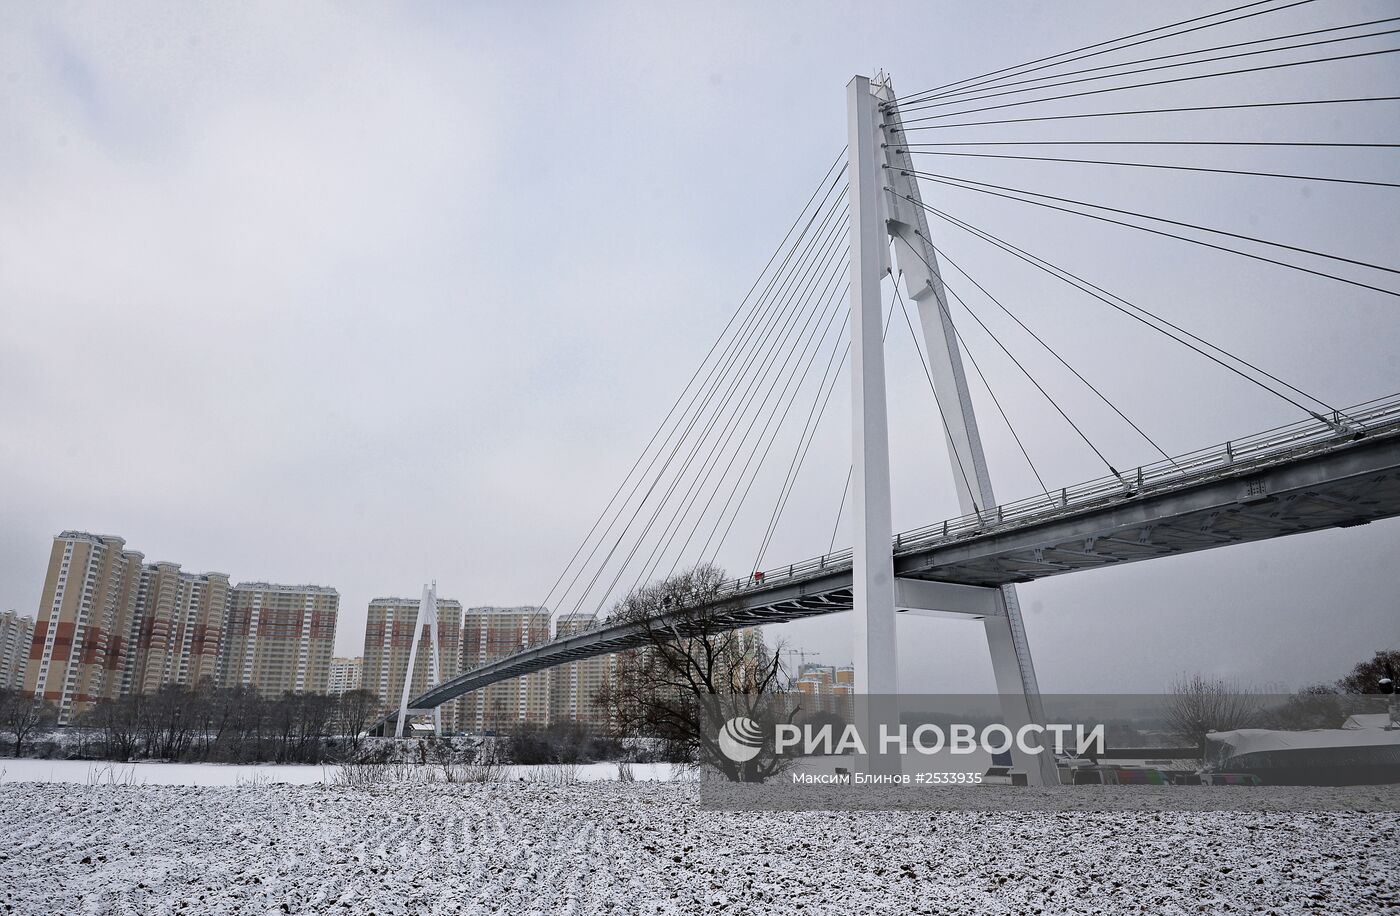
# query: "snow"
{"points": [[1367, 720], [147, 773], [1243, 741], [625, 848], [88, 772]]}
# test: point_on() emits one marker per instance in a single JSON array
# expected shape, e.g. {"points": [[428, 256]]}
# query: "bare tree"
{"points": [[117, 720], [313, 714], [214, 712], [694, 674], [1316, 706], [1199, 705], [170, 721], [249, 714], [21, 716], [353, 713], [282, 720], [496, 717], [1366, 676]]}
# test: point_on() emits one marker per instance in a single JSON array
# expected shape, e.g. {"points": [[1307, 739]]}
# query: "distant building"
{"points": [[489, 633], [110, 625], [843, 690], [279, 638], [389, 630], [16, 633], [89, 600], [174, 635], [573, 686], [345, 675], [815, 681], [827, 689]]}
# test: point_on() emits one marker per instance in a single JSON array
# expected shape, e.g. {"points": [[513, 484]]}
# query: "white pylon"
{"points": [[885, 203], [872, 562], [427, 617]]}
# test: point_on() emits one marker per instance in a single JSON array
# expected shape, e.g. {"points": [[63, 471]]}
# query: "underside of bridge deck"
{"points": [[1352, 486], [1346, 483]]}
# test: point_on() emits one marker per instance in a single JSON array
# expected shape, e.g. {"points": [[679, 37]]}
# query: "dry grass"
{"points": [[109, 775], [371, 775]]}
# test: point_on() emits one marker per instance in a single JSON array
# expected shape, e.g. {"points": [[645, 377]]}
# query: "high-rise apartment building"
{"points": [[110, 625], [489, 633], [174, 636], [279, 638], [573, 686], [89, 598], [345, 676], [16, 633], [827, 689], [390, 627]]}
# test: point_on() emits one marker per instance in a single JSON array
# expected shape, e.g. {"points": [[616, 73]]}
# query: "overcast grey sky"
{"points": [[366, 295]]}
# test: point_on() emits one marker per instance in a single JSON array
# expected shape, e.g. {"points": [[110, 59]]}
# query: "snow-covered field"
{"points": [[146, 773], [622, 848]]}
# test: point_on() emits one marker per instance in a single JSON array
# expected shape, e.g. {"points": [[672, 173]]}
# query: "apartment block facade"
{"points": [[111, 625], [489, 633], [573, 686], [390, 628], [77, 648], [345, 675], [175, 635], [279, 638], [16, 633], [827, 689]]}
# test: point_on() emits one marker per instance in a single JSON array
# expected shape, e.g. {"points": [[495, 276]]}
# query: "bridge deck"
{"points": [[1304, 477]]}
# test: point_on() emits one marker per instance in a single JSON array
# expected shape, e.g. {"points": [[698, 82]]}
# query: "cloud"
{"points": [[369, 296]]}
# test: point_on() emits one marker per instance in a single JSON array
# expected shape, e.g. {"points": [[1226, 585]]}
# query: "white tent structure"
{"points": [[1322, 756]]}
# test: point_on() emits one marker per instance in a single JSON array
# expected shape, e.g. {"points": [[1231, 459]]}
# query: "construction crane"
{"points": [[802, 656]]}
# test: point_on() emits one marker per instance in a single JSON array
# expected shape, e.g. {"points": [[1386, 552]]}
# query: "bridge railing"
{"points": [[1230, 458], [1235, 458]]}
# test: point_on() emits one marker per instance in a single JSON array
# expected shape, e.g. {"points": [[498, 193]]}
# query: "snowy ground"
{"points": [[522, 848], [146, 773]]}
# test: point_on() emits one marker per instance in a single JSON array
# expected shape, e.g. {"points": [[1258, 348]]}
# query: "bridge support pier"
{"points": [[946, 599], [883, 188], [870, 458], [427, 617], [1016, 684], [872, 561]]}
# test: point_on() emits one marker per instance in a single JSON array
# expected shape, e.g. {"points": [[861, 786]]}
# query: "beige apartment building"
{"points": [[827, 689], [89, 599], [345, 676], [489, 633], [175, 634], [279, 638], [390, 628], [110, 625], [16, 633], [573, 686]]}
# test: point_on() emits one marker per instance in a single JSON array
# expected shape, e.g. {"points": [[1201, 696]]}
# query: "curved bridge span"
{"points": [[1329, 472]]}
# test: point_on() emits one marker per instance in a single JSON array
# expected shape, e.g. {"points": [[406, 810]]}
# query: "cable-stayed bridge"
{"points": [[861, 257], [1305, 477]]}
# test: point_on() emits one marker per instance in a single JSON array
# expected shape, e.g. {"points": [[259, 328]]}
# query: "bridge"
{"points": [[1305, 477], [820, 305]]}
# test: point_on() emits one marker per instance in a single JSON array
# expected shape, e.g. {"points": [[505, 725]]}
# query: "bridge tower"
{"points": [[427, 617], [886, 205]]}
